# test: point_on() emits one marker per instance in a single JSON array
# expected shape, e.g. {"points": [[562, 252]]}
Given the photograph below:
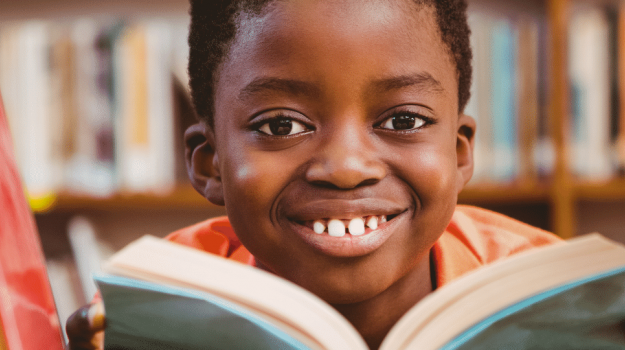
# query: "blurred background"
{"points": [[97, 100]]}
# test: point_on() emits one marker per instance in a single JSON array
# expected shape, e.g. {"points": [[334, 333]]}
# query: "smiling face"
{"points": [[338, 144]]}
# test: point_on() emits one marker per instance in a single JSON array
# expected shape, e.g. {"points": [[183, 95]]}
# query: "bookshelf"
{"points": [[562, 193], [555, 197]]}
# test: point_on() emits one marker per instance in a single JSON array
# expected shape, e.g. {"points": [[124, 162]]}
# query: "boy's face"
{"points": [[339, 110]]}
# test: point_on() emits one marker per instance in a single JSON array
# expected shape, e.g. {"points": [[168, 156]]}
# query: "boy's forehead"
{"points": [[284, 13], [378, 39], [382, 10], [325, 19]]}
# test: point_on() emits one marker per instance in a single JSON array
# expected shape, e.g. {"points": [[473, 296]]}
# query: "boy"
{"points": [[333, 133]]}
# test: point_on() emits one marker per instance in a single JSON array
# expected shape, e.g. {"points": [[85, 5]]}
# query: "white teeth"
{"points": [[356, 227], [336, 228], [372, 222], [319, 227]]}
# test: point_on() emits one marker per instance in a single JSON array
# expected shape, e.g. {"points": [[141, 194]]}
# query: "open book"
{"points": [[159, 294]]}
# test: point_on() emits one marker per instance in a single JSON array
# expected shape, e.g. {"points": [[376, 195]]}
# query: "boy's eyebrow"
{"points": [[423, 81], [292, 87]]}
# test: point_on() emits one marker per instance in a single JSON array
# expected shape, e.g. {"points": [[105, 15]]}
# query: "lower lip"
{"points": [[348, 245]]}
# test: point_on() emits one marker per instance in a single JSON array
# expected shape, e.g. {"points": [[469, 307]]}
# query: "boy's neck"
{"points": [[373, 318]]}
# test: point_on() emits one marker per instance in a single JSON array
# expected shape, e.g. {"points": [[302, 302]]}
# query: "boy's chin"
{"points": [[342, 295], [352, 284]]}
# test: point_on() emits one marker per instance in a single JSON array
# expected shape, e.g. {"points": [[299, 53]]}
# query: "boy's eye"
{"points": [[282, 127], [403, 121]]}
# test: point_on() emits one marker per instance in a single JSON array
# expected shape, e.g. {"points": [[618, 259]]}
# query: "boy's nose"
{"points": [[346, 159]]}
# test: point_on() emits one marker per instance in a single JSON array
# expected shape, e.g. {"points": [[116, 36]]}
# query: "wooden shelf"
{"points": [[613, 189], [505, 193], [183, 197], [606, 190], [186, 197]]}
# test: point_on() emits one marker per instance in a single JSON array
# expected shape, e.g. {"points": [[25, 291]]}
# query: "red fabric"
{"points": [[27, 312], [473, 238]]}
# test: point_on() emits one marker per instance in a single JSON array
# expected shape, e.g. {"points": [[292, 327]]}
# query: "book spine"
{"points": [[184, 112], [528, 99], [133, 119], [544, 152], [503, 99], [90, 167], [620, 142], [144, 108], [160, 105], [506, 97], [479, 104], [87, 253], [62, 275], [590, 81], [39, 167]]}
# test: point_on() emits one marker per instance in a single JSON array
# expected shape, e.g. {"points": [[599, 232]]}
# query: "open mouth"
{"points": [[348, 235], [357, 226]]}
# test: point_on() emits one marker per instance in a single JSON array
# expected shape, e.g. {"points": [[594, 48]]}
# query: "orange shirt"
{"points": [[473, 238]]}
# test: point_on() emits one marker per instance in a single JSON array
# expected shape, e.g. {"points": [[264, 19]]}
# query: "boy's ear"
{"points": [[203, 163], [464, 149]]}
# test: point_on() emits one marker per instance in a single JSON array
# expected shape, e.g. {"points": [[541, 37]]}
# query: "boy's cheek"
{"points": [[254, 180], [429, 171], [440, 174]]}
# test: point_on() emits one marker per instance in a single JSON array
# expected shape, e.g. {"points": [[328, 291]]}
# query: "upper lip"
{"points": [[342, 209]]}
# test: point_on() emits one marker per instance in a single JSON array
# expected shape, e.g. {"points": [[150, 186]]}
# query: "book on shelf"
{"points": [[504, 67], [528, 105], [24, 79], [145, 124], [620, 66], [86, 100], [88, 252], [506, 97], [156, 292], [65, 288], [478, 106], [510, 94], [590, 78]]}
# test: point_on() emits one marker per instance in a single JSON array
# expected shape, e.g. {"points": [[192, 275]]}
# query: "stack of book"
{"points": [[91, 102], [510, 95]]}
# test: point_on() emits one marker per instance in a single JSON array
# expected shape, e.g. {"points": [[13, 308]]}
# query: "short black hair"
{"points": [[213, 28]]}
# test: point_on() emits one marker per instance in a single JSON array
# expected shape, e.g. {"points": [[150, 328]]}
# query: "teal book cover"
{"points": [[586, 314], [145, 315]]}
